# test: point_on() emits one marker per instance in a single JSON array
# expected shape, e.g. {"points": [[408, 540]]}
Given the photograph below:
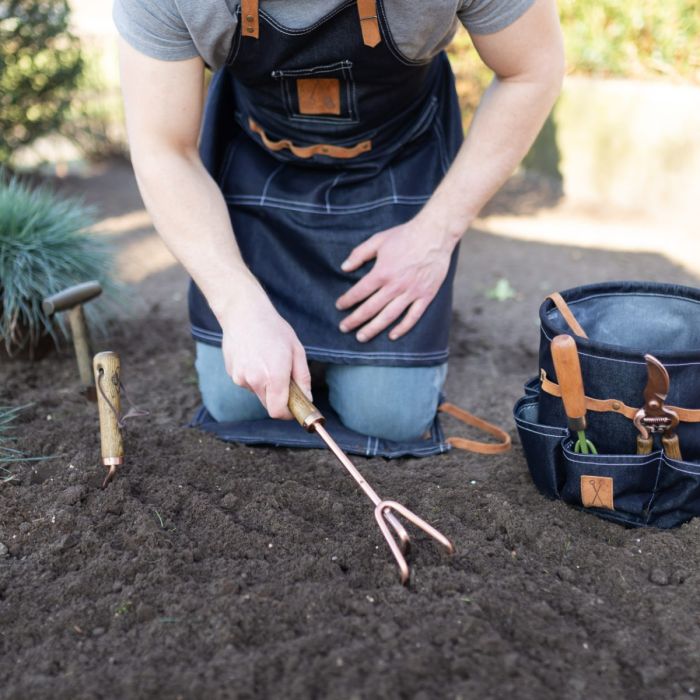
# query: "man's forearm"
{"points": [[508, 119], [191, 216]]}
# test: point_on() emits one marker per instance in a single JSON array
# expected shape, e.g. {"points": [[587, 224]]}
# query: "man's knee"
{"points": [[222, 398], [394, 403]]}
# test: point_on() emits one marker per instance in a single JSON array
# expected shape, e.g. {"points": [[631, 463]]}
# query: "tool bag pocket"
{"points": [[615, 487], [677, 494]]}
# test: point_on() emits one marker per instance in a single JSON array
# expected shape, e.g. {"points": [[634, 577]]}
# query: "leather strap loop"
{"points": [[568, 315], [323, 149], [369, 22], [685, 415], [482, 448], [250, 20]]}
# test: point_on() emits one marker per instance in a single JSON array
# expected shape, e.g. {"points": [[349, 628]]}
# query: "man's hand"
{"points": [[262, 353], [412, 261]]}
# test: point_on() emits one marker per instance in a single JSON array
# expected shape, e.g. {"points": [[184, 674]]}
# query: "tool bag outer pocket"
{"points": [[677, 497], [622, 488], [541, 443]]}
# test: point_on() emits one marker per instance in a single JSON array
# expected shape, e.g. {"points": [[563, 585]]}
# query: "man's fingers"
{"points": [[366, 311], [276, 398], [362, 253], [385, 317], [415, 311], [366, 286], [300, 371]]}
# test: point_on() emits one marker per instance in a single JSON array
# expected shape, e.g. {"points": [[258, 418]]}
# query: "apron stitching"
{"points": [[539, 432], [316, 348], [268, 181], [337, 209], [441, 145], [393, 184], [236, 42], [328, 191], [628, 362], [367, 446], [197, 331]]}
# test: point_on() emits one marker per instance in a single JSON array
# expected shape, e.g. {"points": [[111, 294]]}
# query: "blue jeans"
{"points": [[394, 403]]}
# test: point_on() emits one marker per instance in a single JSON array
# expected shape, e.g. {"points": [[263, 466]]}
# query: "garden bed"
{"points": [[209, 570]]}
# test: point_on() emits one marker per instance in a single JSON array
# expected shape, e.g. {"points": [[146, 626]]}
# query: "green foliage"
{"points": [[632, 38], [11, 455], [44, 248], [40, 64]]}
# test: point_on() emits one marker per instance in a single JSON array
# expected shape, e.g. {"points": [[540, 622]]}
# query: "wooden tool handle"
{"points": [[106, 366], [568, 369], [306, 414], [68, 298]]}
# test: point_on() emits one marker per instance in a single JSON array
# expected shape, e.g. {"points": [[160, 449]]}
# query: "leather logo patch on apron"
{"points": [[319, 95], [597, 492]]}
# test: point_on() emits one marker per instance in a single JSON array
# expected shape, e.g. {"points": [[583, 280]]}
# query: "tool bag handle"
{"points": [[567, 314], [482, 448]]}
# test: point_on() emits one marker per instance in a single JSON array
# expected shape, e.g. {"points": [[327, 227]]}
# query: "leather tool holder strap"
{"points": [[482, 448], [685, 415]]}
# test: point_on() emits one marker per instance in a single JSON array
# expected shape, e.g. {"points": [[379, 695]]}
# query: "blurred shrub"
{"points": [[632, 38], [40, 64], [44, 247]]}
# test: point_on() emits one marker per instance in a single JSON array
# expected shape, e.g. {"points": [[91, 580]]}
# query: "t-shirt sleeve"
{"points": [[155, 28], [489, 16]]}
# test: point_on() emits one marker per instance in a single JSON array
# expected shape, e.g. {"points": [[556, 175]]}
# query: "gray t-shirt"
{"points": [[174, 30]]}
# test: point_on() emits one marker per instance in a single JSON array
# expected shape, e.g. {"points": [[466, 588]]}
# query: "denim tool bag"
{"points": [[638, 346]]}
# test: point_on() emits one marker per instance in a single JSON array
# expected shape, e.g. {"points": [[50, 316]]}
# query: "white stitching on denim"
{"points": [[627, 362], [328, 191], [338, 209], [594, 463], [665, 460], [393, 183], [561, 431], [537, 432], [352, 353], [268, 181]]}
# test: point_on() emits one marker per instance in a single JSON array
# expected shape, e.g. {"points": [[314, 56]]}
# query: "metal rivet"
{"points": [[616, 405], [250, 18], [250, 30]]}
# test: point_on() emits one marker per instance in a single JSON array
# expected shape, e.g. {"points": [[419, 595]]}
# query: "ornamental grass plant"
{"points": [[45, 246]]}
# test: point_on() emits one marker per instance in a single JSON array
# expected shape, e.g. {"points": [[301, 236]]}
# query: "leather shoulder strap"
{"points": [[369, 22], [482, 448], [568, 315], [250, 21]]}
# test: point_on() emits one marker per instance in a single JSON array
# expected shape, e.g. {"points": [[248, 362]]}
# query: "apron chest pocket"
{"points": [[322, 94]]}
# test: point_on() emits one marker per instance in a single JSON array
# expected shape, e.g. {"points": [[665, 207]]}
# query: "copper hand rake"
{"points": [[310, 418]]}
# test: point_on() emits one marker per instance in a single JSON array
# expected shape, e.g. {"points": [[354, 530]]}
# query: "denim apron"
{"points": [[318, 138], [317, 141]]}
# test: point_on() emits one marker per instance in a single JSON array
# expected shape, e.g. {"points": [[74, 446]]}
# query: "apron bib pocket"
{"points": [[321, 95]]}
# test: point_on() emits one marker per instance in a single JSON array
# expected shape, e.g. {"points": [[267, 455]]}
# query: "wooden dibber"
{"points": [[107, 369], [72, 300]]}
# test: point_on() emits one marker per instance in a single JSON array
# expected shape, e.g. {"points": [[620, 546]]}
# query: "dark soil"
{"points": [[208, 570]]}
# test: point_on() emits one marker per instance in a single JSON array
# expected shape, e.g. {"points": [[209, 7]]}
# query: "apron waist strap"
{"points": [[482, 448], [685, 415], [322, 149]]}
